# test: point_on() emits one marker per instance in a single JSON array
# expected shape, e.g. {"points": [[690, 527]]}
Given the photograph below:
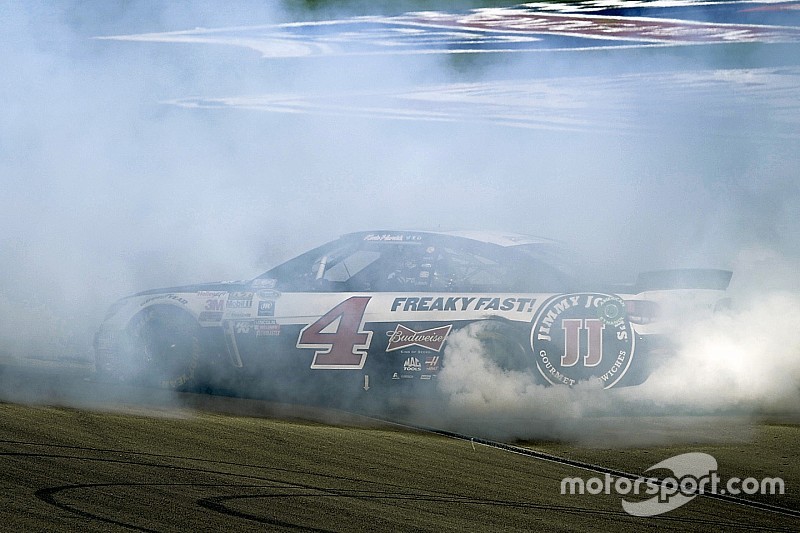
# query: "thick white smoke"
{"points": [[744, 359], [109, 188], [740, 363]]}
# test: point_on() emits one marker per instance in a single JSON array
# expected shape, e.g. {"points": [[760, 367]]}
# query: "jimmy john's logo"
{"points": [[576, 337], [431, 339]]}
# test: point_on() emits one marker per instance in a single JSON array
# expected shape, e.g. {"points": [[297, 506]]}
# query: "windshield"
{"points": [[426, 264]]}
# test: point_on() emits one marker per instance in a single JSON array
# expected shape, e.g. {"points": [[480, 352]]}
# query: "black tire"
{"points": [[504, 343], [165, 342]]}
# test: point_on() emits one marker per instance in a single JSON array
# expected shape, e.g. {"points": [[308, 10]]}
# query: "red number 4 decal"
{"points": [[339, 336]]}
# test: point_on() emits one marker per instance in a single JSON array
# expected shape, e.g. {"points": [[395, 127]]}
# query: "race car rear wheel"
{"points": [[504, 344], [166, 345]]}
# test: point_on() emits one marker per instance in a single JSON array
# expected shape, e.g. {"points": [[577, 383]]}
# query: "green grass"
{"points": [[182, 469]]}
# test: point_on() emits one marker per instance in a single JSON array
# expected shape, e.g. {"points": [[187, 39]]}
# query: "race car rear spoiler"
{"points": [[684, 278]]}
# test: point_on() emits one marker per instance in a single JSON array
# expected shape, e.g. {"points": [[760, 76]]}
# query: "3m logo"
{"points": [[215, 305], [432, 339]]}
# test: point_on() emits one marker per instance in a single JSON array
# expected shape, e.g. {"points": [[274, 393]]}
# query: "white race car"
{"points": [[371, 313]]}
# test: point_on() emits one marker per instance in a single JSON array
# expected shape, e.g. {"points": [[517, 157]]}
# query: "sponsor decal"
{"points": [[583, 336], [264, 283], [267, 328], [210, 316], [432, 363], [240, 300], [412, 365], [395, 376], [266, 308], [211, 294], [241, 296], [215, 305], [463, 303], [239, 314], [404, 337], [268, 294], [243, 327]]}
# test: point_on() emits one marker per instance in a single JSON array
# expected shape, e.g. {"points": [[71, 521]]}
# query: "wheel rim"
{"points": [[168, 346]]}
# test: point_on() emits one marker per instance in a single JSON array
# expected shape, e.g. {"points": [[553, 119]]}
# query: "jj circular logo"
{"points": [[582, 336]]}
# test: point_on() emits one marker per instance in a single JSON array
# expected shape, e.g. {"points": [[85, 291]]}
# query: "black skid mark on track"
{"points": [[389, 492]]}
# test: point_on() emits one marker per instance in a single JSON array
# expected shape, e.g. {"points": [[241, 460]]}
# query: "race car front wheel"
{"points": [[166, 347]]}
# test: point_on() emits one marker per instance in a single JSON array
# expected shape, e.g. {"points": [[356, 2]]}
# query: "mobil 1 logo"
{"points": [[582, 336]]}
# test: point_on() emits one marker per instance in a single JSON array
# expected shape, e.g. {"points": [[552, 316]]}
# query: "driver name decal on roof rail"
{"points": [[392, 237], [463, 303]]}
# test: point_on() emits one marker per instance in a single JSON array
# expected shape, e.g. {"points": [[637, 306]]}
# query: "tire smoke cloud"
{"points": [[133, 163], [729, 369]]}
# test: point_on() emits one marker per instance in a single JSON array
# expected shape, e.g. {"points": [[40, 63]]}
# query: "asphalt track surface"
{"points": [[124, 460]]}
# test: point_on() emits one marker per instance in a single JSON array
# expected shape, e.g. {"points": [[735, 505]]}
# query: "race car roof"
{"points": [[499, 238]]}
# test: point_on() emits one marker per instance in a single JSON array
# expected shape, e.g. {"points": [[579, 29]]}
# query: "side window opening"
{"points": [[422, 266], [460, 270], [345, 268], [464, 270]]}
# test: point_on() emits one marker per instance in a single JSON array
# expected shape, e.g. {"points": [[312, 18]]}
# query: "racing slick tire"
{"points": [[166, 347], [504, 344]]}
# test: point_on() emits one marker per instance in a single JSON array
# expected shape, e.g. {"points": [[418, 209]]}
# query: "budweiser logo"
{"points": [[403, 337]]}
